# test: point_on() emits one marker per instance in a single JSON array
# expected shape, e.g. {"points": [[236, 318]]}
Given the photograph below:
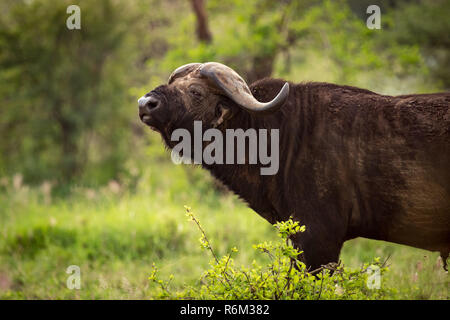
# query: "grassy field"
{"points": [[115, 233]]}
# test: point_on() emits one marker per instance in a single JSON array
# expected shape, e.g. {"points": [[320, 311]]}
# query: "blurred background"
{"points": [[83, 182]]}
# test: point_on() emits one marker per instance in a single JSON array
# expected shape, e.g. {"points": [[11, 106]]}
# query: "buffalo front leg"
{"points": [[317, 251]]}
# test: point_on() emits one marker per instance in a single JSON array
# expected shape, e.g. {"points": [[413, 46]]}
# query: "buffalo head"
{"points": [[209, 92]]}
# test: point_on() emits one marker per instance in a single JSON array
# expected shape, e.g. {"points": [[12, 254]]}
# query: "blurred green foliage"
{"points": [[64, 91]]}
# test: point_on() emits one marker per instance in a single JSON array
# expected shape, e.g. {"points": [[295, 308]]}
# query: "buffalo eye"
{"points": [[195, 93]]}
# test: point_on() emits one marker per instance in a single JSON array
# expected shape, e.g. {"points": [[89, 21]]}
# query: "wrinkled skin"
{"points": [[352, 163]]}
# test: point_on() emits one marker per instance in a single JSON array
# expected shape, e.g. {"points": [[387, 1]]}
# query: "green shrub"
{"points": [[284, 277]]}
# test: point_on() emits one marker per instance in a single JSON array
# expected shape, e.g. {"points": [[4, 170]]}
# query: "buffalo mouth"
{"points": [[149, 121], [147, 105], [154, 126], [146, 119]]}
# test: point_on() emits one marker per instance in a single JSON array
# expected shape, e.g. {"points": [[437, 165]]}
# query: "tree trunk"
{"points": [[203, 33], [262, 67], [69, 165]]}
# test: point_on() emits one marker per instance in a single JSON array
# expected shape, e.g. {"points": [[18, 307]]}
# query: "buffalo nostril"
{"points": [[153, 103], [148, 102]]}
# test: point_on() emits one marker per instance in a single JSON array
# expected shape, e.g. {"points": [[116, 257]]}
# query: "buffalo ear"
{"points": [[222, 113]]}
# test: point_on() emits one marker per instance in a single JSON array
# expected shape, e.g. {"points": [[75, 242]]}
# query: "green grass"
{"points": [[115, 233]]}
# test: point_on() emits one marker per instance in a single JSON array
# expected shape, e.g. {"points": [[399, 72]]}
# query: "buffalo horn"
{"points": [[237, 89]]}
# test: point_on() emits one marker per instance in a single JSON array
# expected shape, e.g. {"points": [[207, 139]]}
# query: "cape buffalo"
{"points": [[352, 163]]}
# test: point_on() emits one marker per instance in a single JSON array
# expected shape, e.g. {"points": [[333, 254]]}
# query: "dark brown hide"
{"points": [[353, 163]]}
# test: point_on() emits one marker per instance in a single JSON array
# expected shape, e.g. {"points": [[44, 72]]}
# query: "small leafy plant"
{"points": [[284, 277]]}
